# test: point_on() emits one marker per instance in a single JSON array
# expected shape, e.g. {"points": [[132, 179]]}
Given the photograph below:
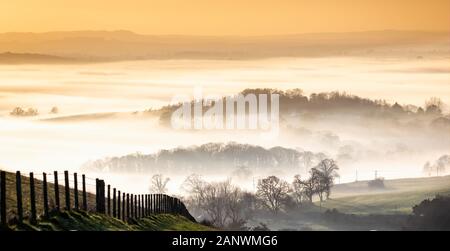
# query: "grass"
{"points": [[11, 195], [398, 197], [83, 221], [80, 220]]}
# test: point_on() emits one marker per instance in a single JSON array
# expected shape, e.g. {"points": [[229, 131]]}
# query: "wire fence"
{"points": [[26, 197]]}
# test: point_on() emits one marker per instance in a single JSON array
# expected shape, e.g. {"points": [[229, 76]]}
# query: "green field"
{"points": [[398, 197], [83, 221]]}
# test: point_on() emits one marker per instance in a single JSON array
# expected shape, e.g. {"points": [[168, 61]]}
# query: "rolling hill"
{"points": [[398, 197], [30, 58], [84, 220], [126, 45]]}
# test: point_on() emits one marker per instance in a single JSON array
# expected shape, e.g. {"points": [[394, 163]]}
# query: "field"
{"points": [[398, 196]]}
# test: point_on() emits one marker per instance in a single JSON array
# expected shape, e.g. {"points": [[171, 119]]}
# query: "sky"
{"points": [[224, 17]]}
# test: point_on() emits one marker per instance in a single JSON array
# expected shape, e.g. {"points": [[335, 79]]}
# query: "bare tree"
{"points": [[272, 191], [222, 203], [54, 110], [324, 174], [235, 205], [303, 190], [434, 106], [158, 184], [18, 111]]}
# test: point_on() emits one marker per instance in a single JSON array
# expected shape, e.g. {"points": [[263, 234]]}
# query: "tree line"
{"points": [[226, 205]]}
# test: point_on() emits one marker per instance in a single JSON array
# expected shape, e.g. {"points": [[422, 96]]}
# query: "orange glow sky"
{"points": [[221, 17]]}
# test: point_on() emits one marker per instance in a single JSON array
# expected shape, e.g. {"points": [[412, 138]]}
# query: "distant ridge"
{"points": [[126, 45], [25, 58]]}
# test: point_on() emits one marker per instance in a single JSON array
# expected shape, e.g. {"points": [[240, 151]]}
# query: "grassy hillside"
{"points": [[11, 195], [398, 197], [82, 221]]}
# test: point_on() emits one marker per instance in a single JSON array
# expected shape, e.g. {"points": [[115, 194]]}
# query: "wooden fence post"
{"points": [[100, 198], [118, 205], [152, 203], [142, 206], [45, 194], [84, 193], [137, 202], [56, 188], [114, 203], [19, 196], [163, 206], [97, 191], [132, 206], [67, 189], [160, 203], [109, 200], [166, 203], [139, 206], [128, 206], [123, 207], [3, 198], [156, 203], [166, 198], [75, 190], [135, 207], [146, 205], [33, 218]]}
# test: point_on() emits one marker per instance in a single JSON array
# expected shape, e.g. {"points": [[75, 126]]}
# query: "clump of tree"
{"points": [[20, 112], [434, 106], [272, 192], [439, 167], [431, 215], [222, 203], [276, 194], [54, 110], [158, 184], [295, 101], [226, 206], [323, 175]]}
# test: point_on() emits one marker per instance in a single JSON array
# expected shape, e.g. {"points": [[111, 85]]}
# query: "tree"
{"points": [[317, 183], [434, 106], [272, 191], [431, 215], [158, 184], [31, 112], [222, 202], [303, 190], [54, 110], [17, 111], [326, 171]]}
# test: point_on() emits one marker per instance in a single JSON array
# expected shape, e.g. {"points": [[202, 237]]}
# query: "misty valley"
{"points": [[359, 132]]}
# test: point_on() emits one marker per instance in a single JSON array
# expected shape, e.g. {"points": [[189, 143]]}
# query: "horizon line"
{"points": [[224, 35]]}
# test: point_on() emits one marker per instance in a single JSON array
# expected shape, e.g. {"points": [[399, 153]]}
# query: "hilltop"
{"points": [[126, 45], [28, 58]]}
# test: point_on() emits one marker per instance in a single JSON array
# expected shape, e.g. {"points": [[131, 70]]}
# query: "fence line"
{"points": [[108, 200]]}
